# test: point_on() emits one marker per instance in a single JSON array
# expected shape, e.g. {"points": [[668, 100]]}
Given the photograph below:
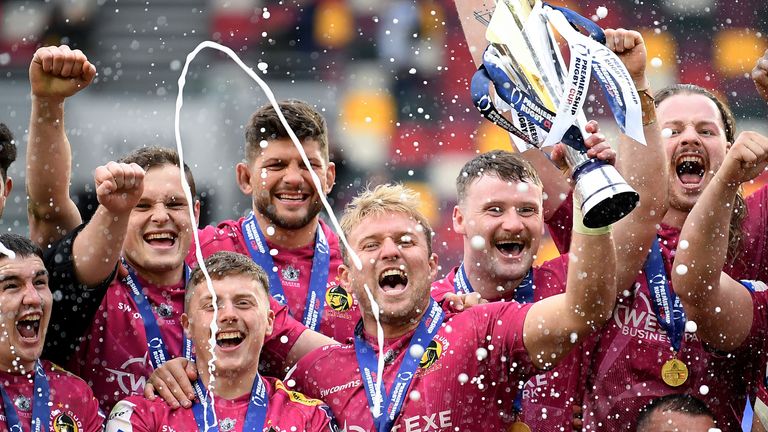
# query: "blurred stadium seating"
{"points": [[391, 77]]}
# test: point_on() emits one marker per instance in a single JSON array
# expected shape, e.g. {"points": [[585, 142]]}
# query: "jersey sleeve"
{"points": [[751, 262], [560, 224], [285, 332], [499, 326], [127, 416], [74, 305], [94, 420], [322, 419]]}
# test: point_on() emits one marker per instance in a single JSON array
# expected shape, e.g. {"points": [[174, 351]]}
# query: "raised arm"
{"points": [[554, 325], [720, 306], [55, 73], [96, 250], [644, 167], [760, 75]]}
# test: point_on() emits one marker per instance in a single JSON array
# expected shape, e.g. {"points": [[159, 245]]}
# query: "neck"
{"points": [[393, 328], [487, 285], [288, 238], [675, 217], [17, 368], [229, 384], [161, 278]]}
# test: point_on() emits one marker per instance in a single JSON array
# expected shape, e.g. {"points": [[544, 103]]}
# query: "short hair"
{"points": [[222, 264], [383, 199], [507, 166], [265, 124], [739, 212], [682, 403], [20, 245], [150, 157], [7, 150]]}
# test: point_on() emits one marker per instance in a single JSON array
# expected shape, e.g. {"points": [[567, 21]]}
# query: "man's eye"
{"points": [[706, 132], [370, 246], [142, 206], [495, 210], [526, 211]]}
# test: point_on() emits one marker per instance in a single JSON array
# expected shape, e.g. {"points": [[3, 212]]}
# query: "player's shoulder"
{"points": [[60, 377], [318, 362], [282, 394]]}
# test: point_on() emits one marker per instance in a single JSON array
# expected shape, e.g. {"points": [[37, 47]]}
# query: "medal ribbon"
{"points": [[158, 354], [665, 303], [523, 292], [41, 410], [255, 415], [366, 358], [321, 260]]}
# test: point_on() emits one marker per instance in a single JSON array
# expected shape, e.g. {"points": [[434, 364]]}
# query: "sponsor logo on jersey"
{"points": [[335, 389], [439, 421], [338, 299], [298, 397], [128, 382], [636, 318]]}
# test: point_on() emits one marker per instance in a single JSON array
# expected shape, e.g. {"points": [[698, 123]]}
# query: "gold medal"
{"points": [[674, 372], [519, 426]]}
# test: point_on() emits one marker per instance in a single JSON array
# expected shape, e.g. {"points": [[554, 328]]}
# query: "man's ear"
{"points": [[344, 275], [433, 266], [185, 324], [330, 177], [458, 220], [197, 213], [270, 322], [243, 176], [8, 187]]}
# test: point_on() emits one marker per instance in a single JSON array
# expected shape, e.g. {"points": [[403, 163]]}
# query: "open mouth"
{"points": [[229, 339], [393, 280], [510, 248], [161, 239], [690, 169], [295, 197], [29, 326]]}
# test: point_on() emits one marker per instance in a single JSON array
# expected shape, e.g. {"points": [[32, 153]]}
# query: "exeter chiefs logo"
{"points": [[431, 354], [64, 423], [338, 298]]}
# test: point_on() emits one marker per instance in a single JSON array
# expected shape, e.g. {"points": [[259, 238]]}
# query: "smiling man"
{"points": [[36, 394], [284, 233], [443, 371], [243, 399]]}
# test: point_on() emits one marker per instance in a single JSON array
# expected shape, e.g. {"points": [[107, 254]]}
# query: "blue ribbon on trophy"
{"points": [[524, 65]]}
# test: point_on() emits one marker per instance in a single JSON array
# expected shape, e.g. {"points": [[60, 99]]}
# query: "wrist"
{"points": [[48, 101]]}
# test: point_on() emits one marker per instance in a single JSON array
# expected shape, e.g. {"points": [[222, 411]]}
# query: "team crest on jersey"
{"points": [[227, 424], [164, 310], [338, 298], [65, 423], [22, 403], [431, 354], [290, 273]]}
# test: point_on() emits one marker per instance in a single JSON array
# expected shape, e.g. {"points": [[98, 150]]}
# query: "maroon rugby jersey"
{"points": [[548, 396], [633, 347], [73, 407], [113, 356], [451, 390], [287, 411], [294, 266]]}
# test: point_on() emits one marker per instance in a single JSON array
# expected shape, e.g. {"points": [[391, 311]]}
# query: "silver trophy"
{"points": [[523, 63]]}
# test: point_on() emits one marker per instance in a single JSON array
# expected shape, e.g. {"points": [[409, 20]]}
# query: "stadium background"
{"points": [[390, 76]]}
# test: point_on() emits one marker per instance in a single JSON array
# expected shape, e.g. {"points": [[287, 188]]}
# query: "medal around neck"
{"points": [[674, 372], [524, 65]]}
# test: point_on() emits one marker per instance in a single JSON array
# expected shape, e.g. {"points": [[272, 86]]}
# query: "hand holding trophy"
{"points": [[524, 65]]}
